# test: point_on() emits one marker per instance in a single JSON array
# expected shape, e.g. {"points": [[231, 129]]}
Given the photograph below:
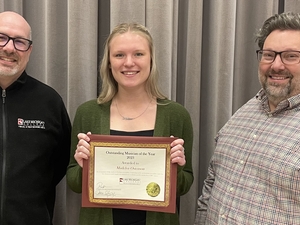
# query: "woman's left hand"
{"points": [[177, 152]]}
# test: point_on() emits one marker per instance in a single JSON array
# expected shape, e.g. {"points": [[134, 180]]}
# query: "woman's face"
{"points": [[130, 60]]}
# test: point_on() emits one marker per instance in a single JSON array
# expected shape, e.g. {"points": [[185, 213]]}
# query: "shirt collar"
{"points": [[290, 103]]}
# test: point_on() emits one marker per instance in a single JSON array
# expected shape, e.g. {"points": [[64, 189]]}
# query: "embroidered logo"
{"points": [[38, 124]]}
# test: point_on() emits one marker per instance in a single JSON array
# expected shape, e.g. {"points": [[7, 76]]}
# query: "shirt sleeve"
{"points": [[63, 148], [204, 198]]}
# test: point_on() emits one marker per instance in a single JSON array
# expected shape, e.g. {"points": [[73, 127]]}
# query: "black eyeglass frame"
{"points": [[276, 53], [13, 39]]}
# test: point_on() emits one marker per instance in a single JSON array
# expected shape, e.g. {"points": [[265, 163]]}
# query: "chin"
{"points": [[8, 73]]}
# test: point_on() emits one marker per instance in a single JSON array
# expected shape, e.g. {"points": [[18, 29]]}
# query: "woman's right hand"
{"points": [[83, 148]]}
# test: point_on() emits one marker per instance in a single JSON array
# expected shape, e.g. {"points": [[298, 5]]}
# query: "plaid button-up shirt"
{"points": [[254, 174]]}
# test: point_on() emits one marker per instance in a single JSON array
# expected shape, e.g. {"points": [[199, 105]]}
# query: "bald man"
{"points": [[34, 132]]}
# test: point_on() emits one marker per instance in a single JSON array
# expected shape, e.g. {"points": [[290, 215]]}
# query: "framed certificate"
{"points": [[130, 172]]}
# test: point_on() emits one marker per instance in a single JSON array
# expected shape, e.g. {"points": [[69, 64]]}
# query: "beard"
{"points": [[277, 92], [8, 71]]}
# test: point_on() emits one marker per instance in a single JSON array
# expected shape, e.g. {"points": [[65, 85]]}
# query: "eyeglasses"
{"points": [[287, 57], [20, 44]]}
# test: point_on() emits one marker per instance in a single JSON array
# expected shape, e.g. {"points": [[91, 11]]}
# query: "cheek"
{"points": [[113, 72], [296, 78], [260, 72], [148, 66], [24, 59], [116, 64], [262, 68], [294, 71], [113, 67]]}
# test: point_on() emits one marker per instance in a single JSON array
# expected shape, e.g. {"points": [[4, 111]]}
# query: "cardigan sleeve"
{"points": [[89, 117], [173, 119], [184, 129], [74, 171]]}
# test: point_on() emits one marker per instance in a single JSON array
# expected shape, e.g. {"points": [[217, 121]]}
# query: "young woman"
{"points": [[130, 103]]}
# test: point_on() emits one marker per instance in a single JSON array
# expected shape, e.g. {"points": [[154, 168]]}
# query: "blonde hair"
{"points": [[109, 84]]}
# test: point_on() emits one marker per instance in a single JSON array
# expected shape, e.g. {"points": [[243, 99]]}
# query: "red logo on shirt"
{"points": [[20, 121], [31, 124]]}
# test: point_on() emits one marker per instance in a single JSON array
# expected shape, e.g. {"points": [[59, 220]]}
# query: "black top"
{"points": [[128, 216], [35, 133]]}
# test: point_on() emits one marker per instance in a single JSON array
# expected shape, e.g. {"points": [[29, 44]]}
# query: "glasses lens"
{"points": [[290, 57], [3, 40], [266, 56], [21, 44]]}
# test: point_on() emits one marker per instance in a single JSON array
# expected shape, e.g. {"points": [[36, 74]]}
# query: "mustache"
{"points": [[9, 55], [282, 73]]}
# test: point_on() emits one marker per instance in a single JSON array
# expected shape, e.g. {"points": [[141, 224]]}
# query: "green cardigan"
{"points": [[171, 119]]}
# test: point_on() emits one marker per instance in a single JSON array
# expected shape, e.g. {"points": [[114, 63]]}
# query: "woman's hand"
{"points": [[177, 152], [83, 148]]}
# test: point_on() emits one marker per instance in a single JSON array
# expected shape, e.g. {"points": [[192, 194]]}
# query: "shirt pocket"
{"points": [[280, 169]]}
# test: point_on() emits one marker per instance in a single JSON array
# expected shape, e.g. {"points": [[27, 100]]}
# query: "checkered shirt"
{"points": [[254, 174]]}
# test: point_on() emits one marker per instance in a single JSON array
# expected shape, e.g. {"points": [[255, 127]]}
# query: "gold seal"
{"points": [[153, 189]]}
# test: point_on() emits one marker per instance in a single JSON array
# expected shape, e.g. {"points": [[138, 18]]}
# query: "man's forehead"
{"points": [[14, 25]]}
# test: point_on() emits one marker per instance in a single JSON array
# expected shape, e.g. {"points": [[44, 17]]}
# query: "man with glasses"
{"points": [[254, 174], [34, 132]]}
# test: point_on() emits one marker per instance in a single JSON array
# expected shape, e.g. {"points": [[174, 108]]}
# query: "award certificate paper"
{"points": [[130, 172]]}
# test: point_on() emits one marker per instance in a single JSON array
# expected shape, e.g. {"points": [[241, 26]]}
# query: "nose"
{"points": [[9, 47], [277, 63], [129, 61]]}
